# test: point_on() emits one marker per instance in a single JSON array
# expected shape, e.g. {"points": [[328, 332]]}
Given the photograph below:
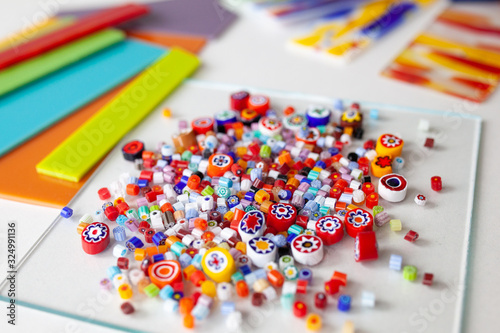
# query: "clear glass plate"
{"points": [[58, 277]]}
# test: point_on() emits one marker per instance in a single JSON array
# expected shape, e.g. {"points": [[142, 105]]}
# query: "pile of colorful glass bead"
{"points": [[240, 201]]}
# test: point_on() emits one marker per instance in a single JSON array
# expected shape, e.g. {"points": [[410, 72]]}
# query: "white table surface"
{"points": [[251, 54]]}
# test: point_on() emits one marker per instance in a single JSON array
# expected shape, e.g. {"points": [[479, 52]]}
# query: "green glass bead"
{"points": [[144, 213], [313, 175], [250, 208], [193, 167], [208, 190], [377, 209], [324, 210], [295, 229], [287, 301], [265, 151], [186, 155], [154, 207], [238, 276], [152, 290], [223, 192], [410, 273], [321, 128], [313, 190]]}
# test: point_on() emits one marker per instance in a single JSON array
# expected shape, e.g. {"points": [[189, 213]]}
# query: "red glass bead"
{"points": [[436, 183], [122, 263], [369, 144], [151, 196], [320, 300], [149, 163], [299, 309], [104, 193], [365, 246], [341, 184], [429, 143], [143, 226], [371, 200], [239, 100], [258, 299], [145, 190], [195, 296], [332, 286], [146, 174], [127, 308], [145, 266], [428, 277], [335, 192], [301, 286], [148, 235], [111, 213], [368, 188], [411, 236]]}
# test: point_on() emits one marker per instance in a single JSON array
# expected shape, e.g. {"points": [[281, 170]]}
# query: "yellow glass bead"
{"points": [[351, 206], [140, 254], [242, 247], [261, 196], [348, 130], [224, 245], [125, 291], [260, 285], [167, 112], [317, 169], [209, 288], [188, 271], [313, 322], [348, 327], [229, 216], [395, 225], [218, 264], [81, 227], [118, 201], [241, 151], [381, 166], [389, 144]]}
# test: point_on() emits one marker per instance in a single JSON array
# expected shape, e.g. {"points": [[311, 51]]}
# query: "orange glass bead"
{"points": [[341, 277], [242, 247], [238, 214], [143, 283], [285, 158], [275, 278], [288, 111], [171, 240], [152, 250], [293, 182], [242, 288], [162, 249], [264, 207], [133, 189], [200, 223], [186, 304], [197, 278], [188, 321], [208, 236]]}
